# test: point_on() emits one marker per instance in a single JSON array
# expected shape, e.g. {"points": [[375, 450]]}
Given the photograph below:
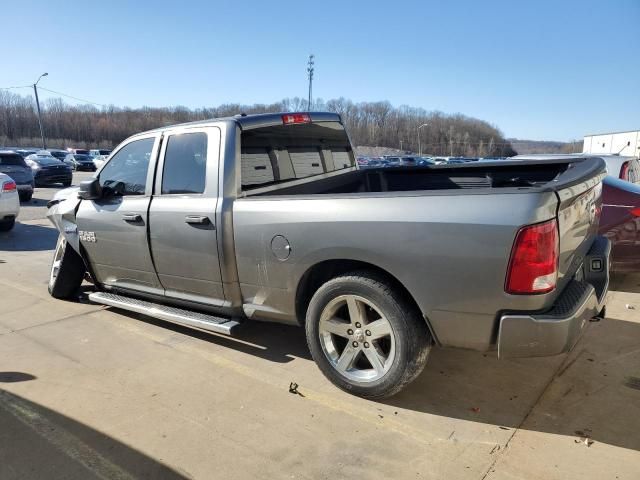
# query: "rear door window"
{"points": [[185, 164]]}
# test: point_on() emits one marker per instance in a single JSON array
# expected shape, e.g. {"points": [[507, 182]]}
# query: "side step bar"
{"points": [[180, 316]]}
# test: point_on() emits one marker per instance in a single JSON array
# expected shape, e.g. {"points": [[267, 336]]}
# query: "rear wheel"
{"points": [[7, 225], [67, 271], [67, 183], [365, 336], [25, 197]]}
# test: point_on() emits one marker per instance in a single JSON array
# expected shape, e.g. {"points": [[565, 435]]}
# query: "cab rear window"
{"points": [[282, 153]]}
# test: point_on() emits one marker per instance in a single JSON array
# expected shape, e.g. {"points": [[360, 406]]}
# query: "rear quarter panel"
{"points": [[449, 250]]}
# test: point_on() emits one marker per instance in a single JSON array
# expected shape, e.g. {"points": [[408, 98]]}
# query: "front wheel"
{"points": [[67, 271], [365, 336]]}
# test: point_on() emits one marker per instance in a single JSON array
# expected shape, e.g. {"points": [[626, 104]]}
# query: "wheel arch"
{"points": [[318, 274]]}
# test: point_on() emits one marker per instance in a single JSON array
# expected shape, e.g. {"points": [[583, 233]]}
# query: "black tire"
{"points": [[67, 184], [7, 225], [26, 197], [409, 330], [64, 283]]}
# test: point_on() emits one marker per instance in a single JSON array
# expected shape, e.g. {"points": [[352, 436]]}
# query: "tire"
{"points": [[67, 183], [7, 225], [342, 347], [26, 197], [67, 271]]}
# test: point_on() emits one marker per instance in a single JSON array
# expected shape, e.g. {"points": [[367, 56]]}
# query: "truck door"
{"points": [[182, 216], [113, 229]]}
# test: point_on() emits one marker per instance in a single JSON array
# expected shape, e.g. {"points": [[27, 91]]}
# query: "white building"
{"points": [[617, 143]]}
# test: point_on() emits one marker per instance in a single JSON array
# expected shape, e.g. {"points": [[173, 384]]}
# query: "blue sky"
{"points": [[552, 70]]}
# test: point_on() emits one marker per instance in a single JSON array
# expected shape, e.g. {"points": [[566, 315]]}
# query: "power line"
{"points": [[75, 98], [19, 86]]}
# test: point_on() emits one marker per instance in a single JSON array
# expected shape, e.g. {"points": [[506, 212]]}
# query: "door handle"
{"points": [[132, 217], [197, 219]]}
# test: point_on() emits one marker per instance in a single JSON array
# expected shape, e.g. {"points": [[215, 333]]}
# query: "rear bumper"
{"points": [[556, 331]]}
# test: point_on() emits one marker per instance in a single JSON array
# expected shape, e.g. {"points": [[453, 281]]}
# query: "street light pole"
{"points": [[419, 142], [35, 90]]}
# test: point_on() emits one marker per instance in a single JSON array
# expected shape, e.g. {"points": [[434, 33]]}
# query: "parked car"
{"points": [[9, 202], [620, 223], [99, 161], [505, 256], [79, 151], [624, 168], [48, 170], [24, 153], [99, 152], [58, 154], [14, 165], [80, 162]]}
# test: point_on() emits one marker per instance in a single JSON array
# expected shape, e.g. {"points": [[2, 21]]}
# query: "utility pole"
{"points": [[310, 68], [35, 90], [419, 142]]}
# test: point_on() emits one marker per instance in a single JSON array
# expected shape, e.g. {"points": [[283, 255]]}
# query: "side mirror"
{"points": [[90, 189]]}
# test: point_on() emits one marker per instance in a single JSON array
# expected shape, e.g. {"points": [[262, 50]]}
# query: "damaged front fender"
{"points": [[62, 213]]}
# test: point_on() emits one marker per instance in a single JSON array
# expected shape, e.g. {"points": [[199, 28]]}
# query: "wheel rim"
{"points": [[357, 338], [57, 260]]}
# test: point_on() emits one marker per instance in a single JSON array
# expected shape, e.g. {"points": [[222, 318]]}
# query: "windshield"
{"points": [[82, 157], [12, 159], [59, 155]]}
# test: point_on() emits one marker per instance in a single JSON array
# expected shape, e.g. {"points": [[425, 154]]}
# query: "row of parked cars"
{"points": [[416, 161], [22, 169]]}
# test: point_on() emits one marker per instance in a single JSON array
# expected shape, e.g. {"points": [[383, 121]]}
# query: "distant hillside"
{"points": [[542, 146]]}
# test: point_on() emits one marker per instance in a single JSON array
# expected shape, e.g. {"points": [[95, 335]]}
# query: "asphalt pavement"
{"points": [[93, 392]]}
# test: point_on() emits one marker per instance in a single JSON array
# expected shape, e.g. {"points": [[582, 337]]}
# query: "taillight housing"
{"points": [[291, 118], [533, 266], [635, 212], [624, 171], [9, 186]]}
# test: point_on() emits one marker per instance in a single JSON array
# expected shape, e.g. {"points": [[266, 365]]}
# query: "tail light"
{"points": [[533, 266], [624, 171], [9, 186], [635, 212], [292, 118]]}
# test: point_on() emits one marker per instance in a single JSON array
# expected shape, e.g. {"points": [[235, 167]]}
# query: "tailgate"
{"points": [[579, 191]]}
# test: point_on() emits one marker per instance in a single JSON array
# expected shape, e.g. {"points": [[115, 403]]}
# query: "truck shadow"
{"points": [[593, 392], [271, 341], [41, 443], [27, 237]]}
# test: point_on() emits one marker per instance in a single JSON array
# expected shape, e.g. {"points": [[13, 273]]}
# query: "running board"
{"points": [[180, 316]]}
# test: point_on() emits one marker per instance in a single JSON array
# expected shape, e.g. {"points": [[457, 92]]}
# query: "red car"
{"points": [[620, 223]]}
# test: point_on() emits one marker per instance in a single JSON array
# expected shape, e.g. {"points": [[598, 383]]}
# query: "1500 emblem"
{"points": [[87, 236]]}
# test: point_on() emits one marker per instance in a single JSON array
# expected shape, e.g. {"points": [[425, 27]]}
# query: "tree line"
{"points": [[368, 123]]}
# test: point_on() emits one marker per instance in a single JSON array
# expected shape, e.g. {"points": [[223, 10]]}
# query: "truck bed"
{"points": [[551, 175]]}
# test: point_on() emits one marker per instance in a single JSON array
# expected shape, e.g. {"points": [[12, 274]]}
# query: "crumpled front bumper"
{"points": [[556, 331]]}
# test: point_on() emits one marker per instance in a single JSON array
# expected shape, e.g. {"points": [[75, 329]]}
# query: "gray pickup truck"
{"points": [[267, 217]]}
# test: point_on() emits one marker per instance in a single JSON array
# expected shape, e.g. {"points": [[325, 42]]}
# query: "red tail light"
{"points": [[624, 171], [9, 186], [635, 212], [292, 118], [533, 266]]}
